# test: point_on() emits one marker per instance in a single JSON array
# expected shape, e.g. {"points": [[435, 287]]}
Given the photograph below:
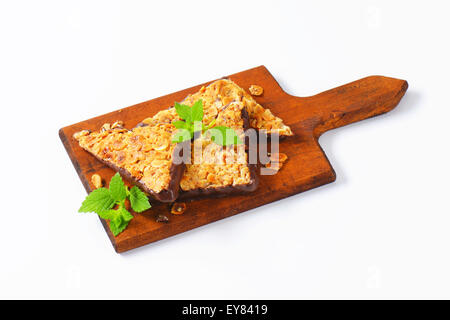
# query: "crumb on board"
{"points": [[256, 90], [276, 161], [162, 218], [278, 157], [96, 180], [178, 208]]}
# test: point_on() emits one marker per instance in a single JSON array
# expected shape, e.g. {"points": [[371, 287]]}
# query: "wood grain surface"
{"points": [[306, 168]]}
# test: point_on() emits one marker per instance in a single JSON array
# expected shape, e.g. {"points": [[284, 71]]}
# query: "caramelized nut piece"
{"points": [[178, 208], [80, 134], [106, 127], [162, 218], [117, 125], [255, 90], [163, 146], [96, 181], [159, 163], [278, 157], [276, 161], [275, 166], [226, 100]]}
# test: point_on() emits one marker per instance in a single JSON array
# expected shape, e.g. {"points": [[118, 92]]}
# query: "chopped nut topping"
{"points": [[162, 218], [255, 90], [117, 125], [106, 127], [96, 181], [135, 151], [178, 208], [80, 134]]}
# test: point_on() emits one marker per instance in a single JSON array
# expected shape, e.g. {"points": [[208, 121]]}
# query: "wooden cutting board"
{"points": [[307, 166]]}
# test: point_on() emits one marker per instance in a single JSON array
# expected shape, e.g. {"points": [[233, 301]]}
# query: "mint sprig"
{"points": [[192, 122], [117, 188], [103, 200]]}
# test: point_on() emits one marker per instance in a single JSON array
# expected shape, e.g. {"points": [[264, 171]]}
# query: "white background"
{"points": [[382, 230]]}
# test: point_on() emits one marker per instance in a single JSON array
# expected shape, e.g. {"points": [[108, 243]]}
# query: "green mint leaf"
{"points": [[117, 188], [224, 136], [182, 135], [179, 124], [107, 214], [138, 199], [117, 224], [126, 215], [197, 111], [98, 200], [184, 111], [118, 219]]}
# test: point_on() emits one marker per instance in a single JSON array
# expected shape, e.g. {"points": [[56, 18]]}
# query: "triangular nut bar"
{"points": [[219, 94], [144, 155]]}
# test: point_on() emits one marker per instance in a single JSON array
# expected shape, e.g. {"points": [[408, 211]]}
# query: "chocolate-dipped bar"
{"points": [[143, 155]]}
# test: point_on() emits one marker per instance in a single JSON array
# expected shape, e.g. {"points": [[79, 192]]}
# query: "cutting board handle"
{"points": [[354, 101]]}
